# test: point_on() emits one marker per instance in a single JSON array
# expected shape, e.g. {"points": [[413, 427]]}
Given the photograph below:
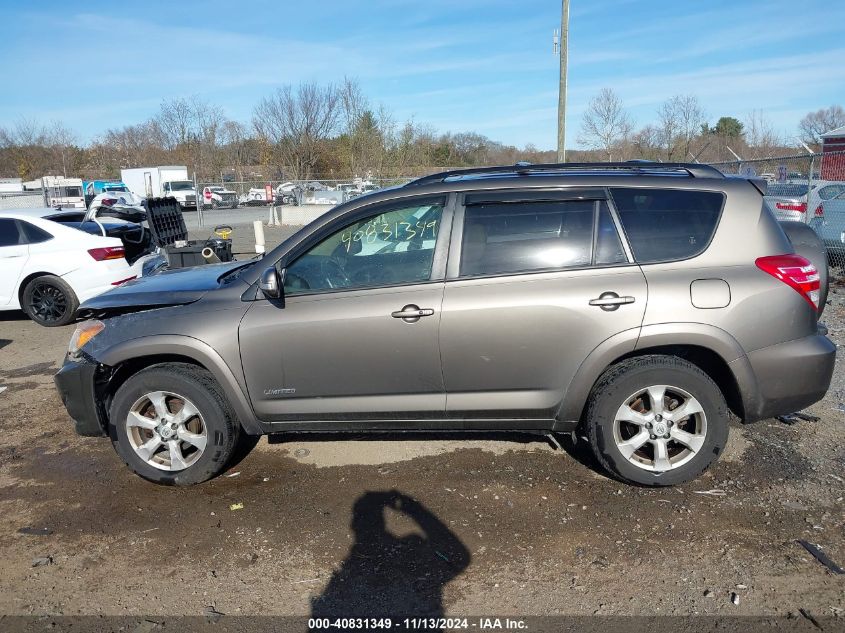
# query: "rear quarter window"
{"points": [[34, 234], [666, 225]]}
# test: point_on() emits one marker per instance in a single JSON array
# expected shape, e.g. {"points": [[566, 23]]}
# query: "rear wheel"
{"points": [[172, 425], [656, 421], [49, 301]]}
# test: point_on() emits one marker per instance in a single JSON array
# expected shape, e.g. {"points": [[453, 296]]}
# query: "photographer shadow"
{"points": [[389, 576]]}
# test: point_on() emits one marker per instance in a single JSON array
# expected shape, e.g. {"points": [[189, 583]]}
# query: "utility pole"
{"points": [[561, 101]]}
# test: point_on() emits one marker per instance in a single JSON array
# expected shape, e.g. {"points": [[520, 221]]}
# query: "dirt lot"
{"points": [[504, 525]]}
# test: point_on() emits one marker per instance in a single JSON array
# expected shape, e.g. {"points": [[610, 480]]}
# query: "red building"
{"points": [[833, 154]]}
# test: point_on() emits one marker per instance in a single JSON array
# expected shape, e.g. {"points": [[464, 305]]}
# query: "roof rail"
{"points": [[693, 170]]}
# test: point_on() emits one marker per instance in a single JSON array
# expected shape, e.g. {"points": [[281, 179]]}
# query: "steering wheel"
{"points": [[333, 273], [370, 274]]}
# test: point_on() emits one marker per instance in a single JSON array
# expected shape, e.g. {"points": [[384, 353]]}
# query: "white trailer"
{"points": [[63, 192], [166, 180]]}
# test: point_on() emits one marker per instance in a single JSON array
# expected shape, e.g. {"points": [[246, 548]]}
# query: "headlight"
{"points": [[85, 331]]}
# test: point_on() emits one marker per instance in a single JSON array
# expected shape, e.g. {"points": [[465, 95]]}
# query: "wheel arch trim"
{"points": [[196, 350], [640, 340]]}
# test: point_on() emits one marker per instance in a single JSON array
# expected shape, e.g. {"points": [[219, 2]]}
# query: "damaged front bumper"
{"points": [[76, 382]]}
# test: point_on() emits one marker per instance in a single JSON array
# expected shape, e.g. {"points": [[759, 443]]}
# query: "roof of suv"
{"points": [[631, 168]]}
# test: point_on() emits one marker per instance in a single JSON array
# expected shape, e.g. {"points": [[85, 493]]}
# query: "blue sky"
{"points": [[482, 65]]}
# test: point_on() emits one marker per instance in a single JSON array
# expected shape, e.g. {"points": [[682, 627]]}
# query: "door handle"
{"points": [[411, 313], [610, 301]]}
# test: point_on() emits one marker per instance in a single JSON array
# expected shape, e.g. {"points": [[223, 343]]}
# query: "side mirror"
{"points": [[271, 283]]}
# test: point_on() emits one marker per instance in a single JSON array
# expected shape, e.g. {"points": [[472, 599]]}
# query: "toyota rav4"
{"points": [[636, 304]]}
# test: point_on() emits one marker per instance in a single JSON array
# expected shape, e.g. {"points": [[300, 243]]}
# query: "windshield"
{"points": [[181, 185], [69, 192], [121, 189]]}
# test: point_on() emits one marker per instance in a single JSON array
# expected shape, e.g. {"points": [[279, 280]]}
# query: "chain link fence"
{"points": [[808, 188], [25, 200], [275, 202]]}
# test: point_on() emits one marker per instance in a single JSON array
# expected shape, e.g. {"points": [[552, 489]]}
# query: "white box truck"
{"points": [[155, 182]]}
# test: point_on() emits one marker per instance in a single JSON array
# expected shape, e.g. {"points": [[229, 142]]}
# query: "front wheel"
{"points": [[656, 421], [172, 425]]}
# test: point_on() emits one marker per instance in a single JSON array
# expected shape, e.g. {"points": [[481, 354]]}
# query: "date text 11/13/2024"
{"points": [[421, 624]]}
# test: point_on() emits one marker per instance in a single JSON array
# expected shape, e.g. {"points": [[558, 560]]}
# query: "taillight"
{"points": [[108, 201], [819, 212], [792, 206], [795, 271], [109, 252]]}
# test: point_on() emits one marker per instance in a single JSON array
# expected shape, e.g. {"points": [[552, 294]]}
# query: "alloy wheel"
{"points": [[166, 430], [47, 302], [660, 428]]}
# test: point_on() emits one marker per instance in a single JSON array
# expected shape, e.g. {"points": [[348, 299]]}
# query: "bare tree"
{"points": [[691, 117], [401, 147], [364, 131], [668, 128], [176, 120], [297, 123], [236, 147], [679, 122], [760, 135], [27, 149], [814, 124], [606, 124], [649, 142], [62, 142]]}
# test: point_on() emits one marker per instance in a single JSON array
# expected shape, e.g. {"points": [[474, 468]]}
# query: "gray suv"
{"points": [[637, 304]]}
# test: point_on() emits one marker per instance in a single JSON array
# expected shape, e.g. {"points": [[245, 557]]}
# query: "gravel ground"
{"points": [[502, 524]]}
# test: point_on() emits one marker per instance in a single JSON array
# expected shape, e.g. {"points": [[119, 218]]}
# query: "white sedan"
{"points": [[47, 268]]}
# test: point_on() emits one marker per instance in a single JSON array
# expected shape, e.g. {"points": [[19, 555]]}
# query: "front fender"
{"points": [[196, 350]]}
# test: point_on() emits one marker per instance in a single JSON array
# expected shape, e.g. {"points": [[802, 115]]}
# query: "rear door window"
{"points": [[9, 233], [516, 237], [664, 225]]}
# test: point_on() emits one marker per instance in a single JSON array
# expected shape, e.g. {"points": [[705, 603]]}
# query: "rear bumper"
{"points": [[790, 376], [75, 382]]}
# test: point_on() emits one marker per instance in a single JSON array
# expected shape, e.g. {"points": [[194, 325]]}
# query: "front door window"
{"points": [[394, 247]]}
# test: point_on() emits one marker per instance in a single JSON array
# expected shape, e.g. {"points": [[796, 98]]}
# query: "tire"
{"points": [[620, 385], [214, 421], [809, 245], [49, 301], [244, 447], [214, 204]]}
